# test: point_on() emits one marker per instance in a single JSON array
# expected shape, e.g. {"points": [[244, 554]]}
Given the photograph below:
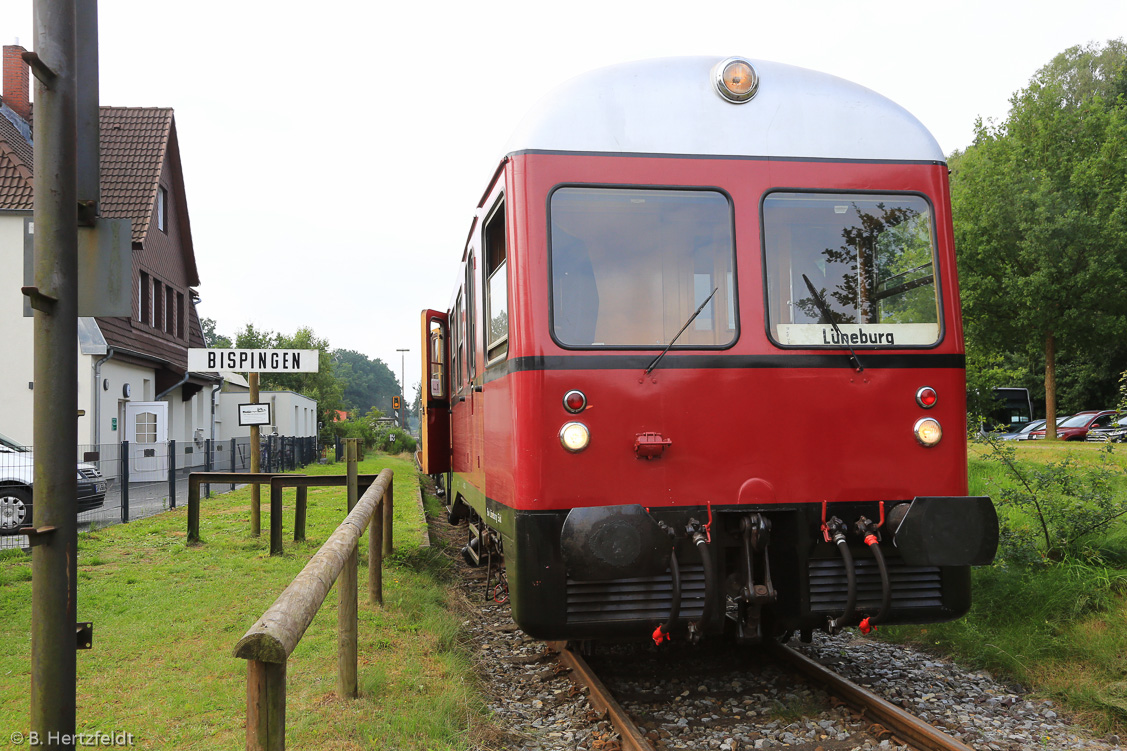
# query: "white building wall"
{"points": [[16, 332], [291, 414]]}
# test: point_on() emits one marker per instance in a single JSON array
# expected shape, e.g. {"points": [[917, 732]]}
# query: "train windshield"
{"points": [[869, 258], [630, 266]]}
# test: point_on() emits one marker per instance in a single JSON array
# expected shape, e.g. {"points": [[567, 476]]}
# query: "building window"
{"points": [[170, 309], [158, 305], [143, 299], [181, 314], [162, 208]]}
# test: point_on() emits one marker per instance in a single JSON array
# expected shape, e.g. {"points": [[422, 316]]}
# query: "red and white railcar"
{"points": [[704, 365]]}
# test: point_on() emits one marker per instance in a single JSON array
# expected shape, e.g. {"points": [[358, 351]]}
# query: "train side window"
{"points": [[437, 359], [471, 318], [457, 375], [496, 284]]}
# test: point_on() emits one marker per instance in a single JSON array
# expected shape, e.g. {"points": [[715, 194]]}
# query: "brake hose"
{"points": [[837, 528]]}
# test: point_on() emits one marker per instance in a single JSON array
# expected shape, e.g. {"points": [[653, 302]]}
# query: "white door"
{"points": [[146, 429]]}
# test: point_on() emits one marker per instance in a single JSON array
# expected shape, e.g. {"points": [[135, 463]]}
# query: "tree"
{"points": [[210, 337], [252, 338], [367, 383], [1040, 209], [323, 386]]}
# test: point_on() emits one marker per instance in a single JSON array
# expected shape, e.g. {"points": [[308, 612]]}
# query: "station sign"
{"points": [[254, 360], [254, 414]]}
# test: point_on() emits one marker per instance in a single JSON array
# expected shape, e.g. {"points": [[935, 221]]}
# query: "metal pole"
{"points": [[124, 481], [55, 300], [207, 463], [402, 386], [193, 511], [255, 466], [172, 473]]}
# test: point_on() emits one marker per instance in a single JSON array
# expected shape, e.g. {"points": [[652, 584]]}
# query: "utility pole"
{"points": [[54, 298], [403, 382]]}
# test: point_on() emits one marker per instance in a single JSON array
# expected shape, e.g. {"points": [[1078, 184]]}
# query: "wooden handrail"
{"points": [[267, 645], [278, 631]]}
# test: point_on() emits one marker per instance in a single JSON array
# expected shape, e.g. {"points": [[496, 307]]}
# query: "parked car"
{"points": [[1022, 433], [1115, 432], [1075, 428], [17, 466]]}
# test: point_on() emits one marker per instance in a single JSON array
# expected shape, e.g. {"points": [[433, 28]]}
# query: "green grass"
{"points": [[167, 617], [1058, 629]]}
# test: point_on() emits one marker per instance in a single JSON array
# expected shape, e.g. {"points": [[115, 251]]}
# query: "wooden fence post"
{"points": [[299, 514], [375, 555], [346, 592], [347, 628], [353, 483], [266, 706], [267, 645], [276, 519], [388, 507]]}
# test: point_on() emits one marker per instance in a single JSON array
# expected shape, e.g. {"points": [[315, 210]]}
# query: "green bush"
{"points": [[1052, 512], [393, 440]]}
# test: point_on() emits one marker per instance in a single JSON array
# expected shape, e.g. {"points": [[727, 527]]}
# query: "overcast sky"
{"points": [[334, 151]]}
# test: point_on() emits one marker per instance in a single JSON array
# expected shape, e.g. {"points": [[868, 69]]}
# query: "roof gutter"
{"points": [[173, 387], [97, 398]]}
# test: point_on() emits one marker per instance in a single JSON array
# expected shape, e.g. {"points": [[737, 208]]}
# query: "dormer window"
{"points": [[162, 209]]}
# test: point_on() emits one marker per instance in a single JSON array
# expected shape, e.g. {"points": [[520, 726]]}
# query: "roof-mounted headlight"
{"points": [[736, 80]]}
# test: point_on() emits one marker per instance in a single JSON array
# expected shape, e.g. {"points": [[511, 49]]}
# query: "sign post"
{"points": [[253, 362], [255, 464]]}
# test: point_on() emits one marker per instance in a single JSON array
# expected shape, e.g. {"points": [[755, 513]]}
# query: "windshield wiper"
{"points": [[825, 309], [692, 318]]}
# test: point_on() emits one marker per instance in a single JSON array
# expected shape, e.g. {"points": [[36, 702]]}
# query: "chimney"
{"points": [[17, 81]]}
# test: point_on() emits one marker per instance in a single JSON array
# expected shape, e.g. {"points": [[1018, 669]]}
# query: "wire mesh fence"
{"points": [[121, 482]]}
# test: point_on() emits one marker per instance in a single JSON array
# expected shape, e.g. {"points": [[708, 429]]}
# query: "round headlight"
{"points": [[736, 80], [574, 436], [928, 432]]}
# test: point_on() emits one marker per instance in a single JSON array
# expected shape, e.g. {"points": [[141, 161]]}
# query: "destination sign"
{"points": [[254, 360]]}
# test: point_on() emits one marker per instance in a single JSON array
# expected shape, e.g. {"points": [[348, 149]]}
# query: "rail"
{"points": [[268, 644], [912, 729], [601, 699]]}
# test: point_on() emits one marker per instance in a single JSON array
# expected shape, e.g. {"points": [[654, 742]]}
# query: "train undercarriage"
{"points": [[625, 572]]}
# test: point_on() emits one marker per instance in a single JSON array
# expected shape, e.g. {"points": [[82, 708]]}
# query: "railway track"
{"points": [[887, 722], [536, 705]]}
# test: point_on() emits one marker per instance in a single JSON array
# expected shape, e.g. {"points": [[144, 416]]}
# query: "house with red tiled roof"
{"points": [[133, 379]]}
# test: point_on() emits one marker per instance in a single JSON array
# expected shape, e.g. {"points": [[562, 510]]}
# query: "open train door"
{"points": [[435, 422]]}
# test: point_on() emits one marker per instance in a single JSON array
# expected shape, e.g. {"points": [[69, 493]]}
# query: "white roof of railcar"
{"points": [[670, 106]]}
